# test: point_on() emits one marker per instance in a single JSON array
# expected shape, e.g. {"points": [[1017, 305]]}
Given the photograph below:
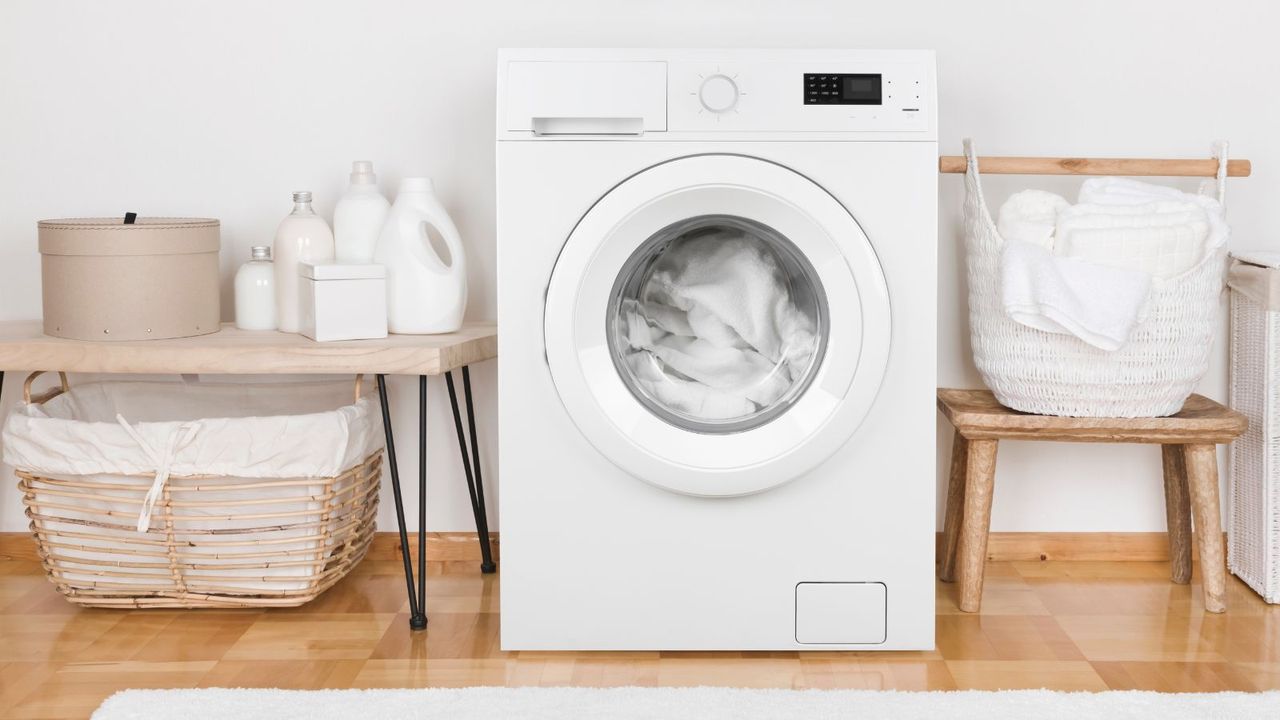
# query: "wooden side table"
{"points": [[24, 346], [1188, 443]]}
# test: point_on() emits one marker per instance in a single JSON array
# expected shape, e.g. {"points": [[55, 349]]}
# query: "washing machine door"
{"points": [[717, 325]]}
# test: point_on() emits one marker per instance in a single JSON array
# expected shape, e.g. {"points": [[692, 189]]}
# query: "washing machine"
{"points": [[717, 314]]}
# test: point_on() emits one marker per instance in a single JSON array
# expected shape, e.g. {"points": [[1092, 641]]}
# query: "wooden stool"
{"points": [[1187, 441]]}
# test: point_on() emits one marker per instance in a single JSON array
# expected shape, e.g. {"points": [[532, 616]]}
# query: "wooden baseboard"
{"points": [[1002, 546], [1077, 546], [441, 546]]}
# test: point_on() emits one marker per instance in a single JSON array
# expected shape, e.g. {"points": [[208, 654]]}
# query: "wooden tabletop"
{"points": [[977, 416], [23, 346]]}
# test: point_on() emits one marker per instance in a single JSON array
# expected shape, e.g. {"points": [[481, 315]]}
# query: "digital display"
{"points": [[842, 89]]}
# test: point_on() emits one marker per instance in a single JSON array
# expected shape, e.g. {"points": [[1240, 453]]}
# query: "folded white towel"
{"points": [[1125, 191], [1030, 216], [1163, 238], [1140, 226], [1098, 304]]}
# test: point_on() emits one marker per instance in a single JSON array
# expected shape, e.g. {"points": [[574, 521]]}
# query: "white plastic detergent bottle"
{"points": [[358, 216], [425, 294]]}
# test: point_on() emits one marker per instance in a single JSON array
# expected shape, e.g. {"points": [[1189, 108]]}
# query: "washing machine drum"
{"points": [[717, 325]]}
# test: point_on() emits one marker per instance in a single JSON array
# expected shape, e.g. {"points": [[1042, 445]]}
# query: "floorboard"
{"points": [[1066, 625]]}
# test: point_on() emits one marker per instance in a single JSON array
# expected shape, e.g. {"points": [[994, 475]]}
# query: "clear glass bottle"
{"points": [[256, 292], [303, 236]]}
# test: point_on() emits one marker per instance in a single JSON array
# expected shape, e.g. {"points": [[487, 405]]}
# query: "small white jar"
{"points": [[256, 292], [338, 301]]}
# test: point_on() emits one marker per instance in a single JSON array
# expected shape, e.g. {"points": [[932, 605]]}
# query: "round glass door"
{"points": [[717, 325]]}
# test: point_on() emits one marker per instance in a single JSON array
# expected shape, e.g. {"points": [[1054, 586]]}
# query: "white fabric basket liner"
{"points": [[246, 432], [259, 431]]}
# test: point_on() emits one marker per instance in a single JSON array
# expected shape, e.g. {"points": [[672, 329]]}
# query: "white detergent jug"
{"points": [[424, 295]]}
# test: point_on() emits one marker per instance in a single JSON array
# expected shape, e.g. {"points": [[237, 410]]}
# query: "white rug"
{"points": [[677, 704]]}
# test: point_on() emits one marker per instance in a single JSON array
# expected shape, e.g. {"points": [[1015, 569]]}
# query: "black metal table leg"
{"points": [[417, 613], [422, 497], [471, 466]]}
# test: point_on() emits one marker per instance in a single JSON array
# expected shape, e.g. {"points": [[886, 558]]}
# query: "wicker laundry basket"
{"points": [[1254, 533], [117, 528], [1052, 374]]}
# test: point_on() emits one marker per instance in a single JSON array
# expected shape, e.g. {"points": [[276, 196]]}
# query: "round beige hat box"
{"points": [[154, 278]]}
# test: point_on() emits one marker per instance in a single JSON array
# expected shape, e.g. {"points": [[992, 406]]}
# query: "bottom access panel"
{"points": [[841, 613]]}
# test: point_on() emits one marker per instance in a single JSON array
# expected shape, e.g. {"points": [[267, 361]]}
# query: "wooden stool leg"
{"points": [[955, 509], [971, 552], [1177, 507], [1202, 481]]}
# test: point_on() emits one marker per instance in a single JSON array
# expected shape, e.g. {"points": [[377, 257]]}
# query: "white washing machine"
{"points": [[716, 295]]}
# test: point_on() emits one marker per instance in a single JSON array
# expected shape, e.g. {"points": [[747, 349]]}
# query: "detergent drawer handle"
{"points": [[588, 126]]}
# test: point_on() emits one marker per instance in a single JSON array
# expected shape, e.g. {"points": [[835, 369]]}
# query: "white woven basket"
{"points": [[1254, 534], [1051, 374]]}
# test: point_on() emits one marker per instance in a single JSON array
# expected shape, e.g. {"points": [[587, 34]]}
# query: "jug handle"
{"points": [[452, 239]]}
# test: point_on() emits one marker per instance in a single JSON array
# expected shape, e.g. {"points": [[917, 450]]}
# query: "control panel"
{"points": [[843, 89], [798, 97], [686, 94]]}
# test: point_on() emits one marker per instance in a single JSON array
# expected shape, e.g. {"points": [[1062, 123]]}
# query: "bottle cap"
{"points": [[260, 252], [302, 196], [362, 173]]}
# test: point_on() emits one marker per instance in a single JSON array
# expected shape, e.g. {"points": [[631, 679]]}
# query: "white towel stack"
{"points": [[1087, 269]]}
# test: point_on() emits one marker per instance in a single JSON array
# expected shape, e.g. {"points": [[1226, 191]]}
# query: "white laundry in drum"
{"points": [[715, 332]]}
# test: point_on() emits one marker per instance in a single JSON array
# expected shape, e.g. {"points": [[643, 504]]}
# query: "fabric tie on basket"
{"points": [[181, 437]]}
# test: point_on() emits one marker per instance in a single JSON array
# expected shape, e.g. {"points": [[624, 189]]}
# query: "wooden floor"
{"points": [[1073, 626]]}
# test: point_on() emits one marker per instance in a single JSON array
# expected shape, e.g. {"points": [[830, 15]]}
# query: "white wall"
{"points": [[221, 108]]}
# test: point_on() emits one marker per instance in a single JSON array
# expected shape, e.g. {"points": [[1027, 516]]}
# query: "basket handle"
{"points": [[48, 395], [1221, 148], [359, 385]]}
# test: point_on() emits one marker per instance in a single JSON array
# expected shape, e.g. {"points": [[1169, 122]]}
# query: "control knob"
{"points": [[719, 93]]}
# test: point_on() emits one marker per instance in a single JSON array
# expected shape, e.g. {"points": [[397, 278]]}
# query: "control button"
{"points": [[719, 93]]}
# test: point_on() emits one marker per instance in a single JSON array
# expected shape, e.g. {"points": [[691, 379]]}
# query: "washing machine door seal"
{"points": [[766, 449]]}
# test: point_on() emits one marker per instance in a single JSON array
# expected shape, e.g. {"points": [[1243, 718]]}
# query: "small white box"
{"points": [[337, 301]]}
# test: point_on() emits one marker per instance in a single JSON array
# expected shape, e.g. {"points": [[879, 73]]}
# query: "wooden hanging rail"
{"points": [[1094, 166]]}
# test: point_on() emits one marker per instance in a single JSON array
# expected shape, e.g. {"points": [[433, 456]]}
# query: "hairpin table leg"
{"points": [[471, 465], [422, 497], [417, 613]]}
